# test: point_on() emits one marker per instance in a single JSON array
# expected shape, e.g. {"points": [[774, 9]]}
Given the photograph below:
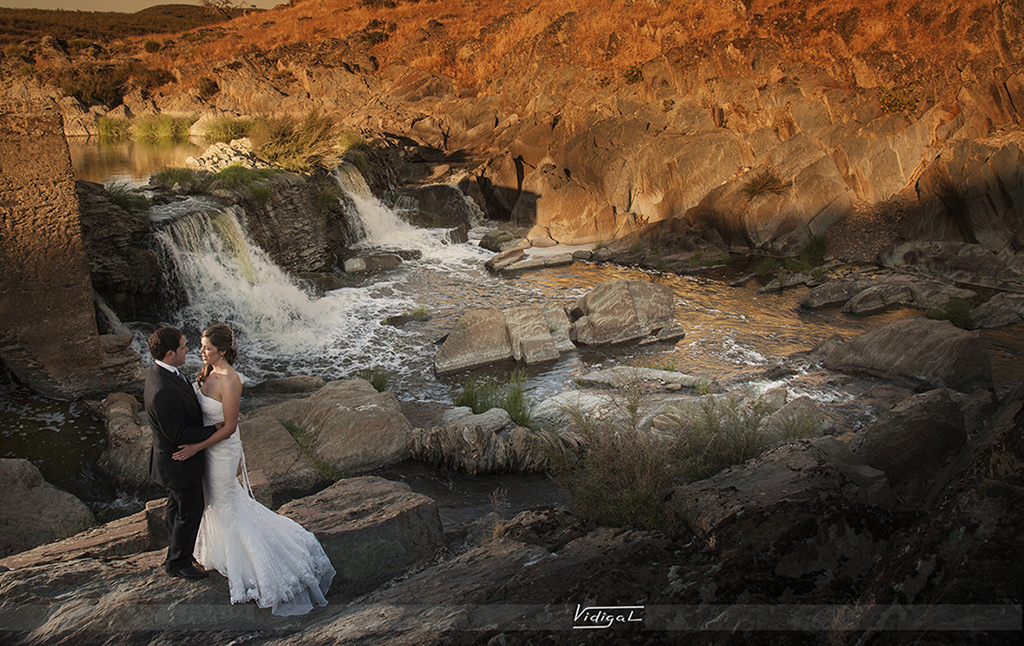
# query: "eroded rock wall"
{"points": [[48, 333]]}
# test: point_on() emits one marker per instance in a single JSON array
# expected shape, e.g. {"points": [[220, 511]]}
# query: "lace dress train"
{"points": [[266, 557]]}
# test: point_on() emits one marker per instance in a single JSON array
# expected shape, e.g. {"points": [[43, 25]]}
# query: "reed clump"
{"points": [[481, 395], [621, 476]]}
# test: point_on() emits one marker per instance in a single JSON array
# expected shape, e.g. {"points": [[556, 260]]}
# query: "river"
{"points": [[283, 329]]}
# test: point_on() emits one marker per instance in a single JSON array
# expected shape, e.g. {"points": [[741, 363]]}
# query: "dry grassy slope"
{"points": [[474, 42]]}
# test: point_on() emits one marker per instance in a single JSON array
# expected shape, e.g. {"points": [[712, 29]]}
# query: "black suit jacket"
{"points": [[176, 419]]}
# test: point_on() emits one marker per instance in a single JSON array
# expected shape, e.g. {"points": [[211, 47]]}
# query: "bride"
{"points": [[266, 557]]}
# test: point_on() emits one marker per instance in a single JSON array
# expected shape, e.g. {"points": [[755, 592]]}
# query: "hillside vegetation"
{"points": [[103, 26]]}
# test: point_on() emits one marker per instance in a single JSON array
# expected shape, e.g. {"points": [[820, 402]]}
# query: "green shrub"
{"points": [[955, 310], [123, 194], [813, 253], [634, 73], [260, 193], [168, 177], [77, 45], [162, 129], [151, 46], [764, 181], [418, 311], [378, 378], [17, 50], [348, 140], [898, 98], [765, 266], [111, 129], [226, 129], [293, 144], [237, 176]]}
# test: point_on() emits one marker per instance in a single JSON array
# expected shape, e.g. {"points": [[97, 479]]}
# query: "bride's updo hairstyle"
{"points": [[223, 339]]}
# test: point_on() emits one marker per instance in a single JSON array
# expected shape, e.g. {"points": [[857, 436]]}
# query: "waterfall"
{"points": [[381, 227], [215, 273], [226, 278]]}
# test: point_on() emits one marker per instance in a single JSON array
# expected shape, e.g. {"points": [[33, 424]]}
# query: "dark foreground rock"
{"points": [[34, 512], [805, 544]]}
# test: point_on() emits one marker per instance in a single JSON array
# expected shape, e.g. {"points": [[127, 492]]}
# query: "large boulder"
{"points": [[118, 538], [347, 426], [970, 548], [269, 448], [110, 581], [436, 205], [913, 441], [34, 512], [371, 528], [273, 451], [935, 353], [526, 333], [622, 310], [812, 493], [126, 456], [479, 338]]}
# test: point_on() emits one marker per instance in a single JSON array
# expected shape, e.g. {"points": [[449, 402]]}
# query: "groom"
{"points": [[176, 419]]}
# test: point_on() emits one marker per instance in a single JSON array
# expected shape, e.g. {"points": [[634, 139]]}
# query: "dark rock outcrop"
{"points": [[935, 353], [33, 511]]}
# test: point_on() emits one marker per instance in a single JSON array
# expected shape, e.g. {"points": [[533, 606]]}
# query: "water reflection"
{"points": [[97, 161]]}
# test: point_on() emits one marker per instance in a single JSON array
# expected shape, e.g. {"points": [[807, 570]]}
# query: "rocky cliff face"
{"points": [[582, 123]]}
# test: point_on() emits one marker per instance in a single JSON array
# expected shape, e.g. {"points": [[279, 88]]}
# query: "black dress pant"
{"points": [[184, 513]]}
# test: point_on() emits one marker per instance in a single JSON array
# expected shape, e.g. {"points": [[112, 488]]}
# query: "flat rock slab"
{"points": [[933, 352]]}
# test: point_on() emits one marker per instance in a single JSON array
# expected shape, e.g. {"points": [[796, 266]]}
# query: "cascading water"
{"points": [[380, 226], [282, 328]]}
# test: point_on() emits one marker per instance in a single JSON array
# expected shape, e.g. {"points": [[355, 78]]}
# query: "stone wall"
{"points": [[48, 333]]}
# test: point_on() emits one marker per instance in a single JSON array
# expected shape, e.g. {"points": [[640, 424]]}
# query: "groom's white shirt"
{"points": [[171, 369]]}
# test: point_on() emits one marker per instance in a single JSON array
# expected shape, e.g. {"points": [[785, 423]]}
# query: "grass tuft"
{"points": [[123, 194], [378, 378], [162, 129], [620, 478], [482, 395], [293, 144], [765, 181]]}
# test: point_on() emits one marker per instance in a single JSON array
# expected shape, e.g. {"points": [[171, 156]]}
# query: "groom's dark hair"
{"points": [[164, 340]]}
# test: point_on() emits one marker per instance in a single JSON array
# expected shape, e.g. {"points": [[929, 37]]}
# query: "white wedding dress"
{"points": [[266, 557]]}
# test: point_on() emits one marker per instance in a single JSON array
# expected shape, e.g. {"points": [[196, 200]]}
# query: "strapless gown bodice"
{"points": [[266, 557]]}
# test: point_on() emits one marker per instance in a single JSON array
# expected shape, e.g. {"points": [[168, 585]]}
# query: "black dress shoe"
{"points": [[187, 572]]}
